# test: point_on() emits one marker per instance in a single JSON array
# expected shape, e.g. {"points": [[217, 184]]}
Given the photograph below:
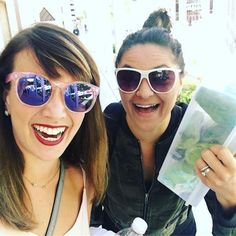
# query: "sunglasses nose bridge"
{"points": [[57, 92], [61, 88], [55, 106], [144, 75], [144, 88]]}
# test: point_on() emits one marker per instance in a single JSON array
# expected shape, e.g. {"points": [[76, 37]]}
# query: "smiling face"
{"points": [[147, 111], [41, 132]]}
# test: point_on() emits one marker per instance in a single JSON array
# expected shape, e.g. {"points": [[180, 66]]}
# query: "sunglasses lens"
{"points": [[128, 80], [34, 90], [162, 81], [79, 97]]}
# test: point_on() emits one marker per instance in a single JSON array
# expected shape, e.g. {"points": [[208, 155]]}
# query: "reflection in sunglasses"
{"points": [[35, 90]]}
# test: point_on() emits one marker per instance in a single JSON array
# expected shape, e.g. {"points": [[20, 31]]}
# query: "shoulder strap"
{"points": [[56, 203], [84, 176]]}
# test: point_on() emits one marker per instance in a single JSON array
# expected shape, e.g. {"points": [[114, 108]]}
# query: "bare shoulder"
{"points": [[77, 179], [74, 178]]}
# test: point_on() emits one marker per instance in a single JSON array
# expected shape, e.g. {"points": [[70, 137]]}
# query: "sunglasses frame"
{"points": [[144, 74], [16, 76]]}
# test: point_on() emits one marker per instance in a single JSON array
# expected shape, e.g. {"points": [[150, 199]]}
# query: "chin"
{"points": [[145, 127]]}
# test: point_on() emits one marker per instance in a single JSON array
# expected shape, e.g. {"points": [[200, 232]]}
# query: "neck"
{"points": [[151, 135], [41, 174]]}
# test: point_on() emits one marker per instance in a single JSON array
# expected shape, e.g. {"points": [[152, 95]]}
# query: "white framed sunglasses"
{"points": [[160, 80]]}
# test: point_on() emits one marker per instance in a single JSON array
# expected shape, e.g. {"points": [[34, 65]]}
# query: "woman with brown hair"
{"points": [[53, 140]]}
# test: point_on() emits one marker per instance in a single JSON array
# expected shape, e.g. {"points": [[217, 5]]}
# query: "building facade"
{"points": [[15, 15]]}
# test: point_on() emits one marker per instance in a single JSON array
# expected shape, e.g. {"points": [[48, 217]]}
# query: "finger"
{"points": [[205, 170], [205, 178], [202, 168], [200, 164], [213, 162], [210, 178], [217, 171], [224, 155]]}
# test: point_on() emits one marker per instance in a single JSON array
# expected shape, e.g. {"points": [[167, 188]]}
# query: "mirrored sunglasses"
{"points": [[160, 80], [35, 90]]}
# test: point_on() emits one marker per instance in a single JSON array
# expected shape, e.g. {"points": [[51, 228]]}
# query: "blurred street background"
{"points": [[205, 28]]}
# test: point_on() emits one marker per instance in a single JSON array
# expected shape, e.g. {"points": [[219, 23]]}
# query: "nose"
{"points": [[55, 108], [144, 89]]}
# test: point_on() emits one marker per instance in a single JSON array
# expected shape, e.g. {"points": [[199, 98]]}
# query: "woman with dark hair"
{"points": [[149, 72], [53, 150]]}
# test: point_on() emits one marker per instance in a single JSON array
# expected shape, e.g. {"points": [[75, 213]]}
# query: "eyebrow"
{"points": [[156, 67]]}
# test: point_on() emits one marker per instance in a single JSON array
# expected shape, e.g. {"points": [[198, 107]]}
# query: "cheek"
{"points": [[125, 98], [170, 99], [77, 121], [20, 115], [174, 93], [21, 124]]}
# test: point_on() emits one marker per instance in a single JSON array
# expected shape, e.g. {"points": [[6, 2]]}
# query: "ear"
{"points": [[7, 102], [181, 79], [181, 82]]}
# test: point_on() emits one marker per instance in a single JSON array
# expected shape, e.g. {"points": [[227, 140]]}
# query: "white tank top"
{"points": [[80, 227]]}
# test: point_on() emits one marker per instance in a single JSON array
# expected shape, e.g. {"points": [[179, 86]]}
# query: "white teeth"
{"points": [[145, 105], [51, 139], [49, 131]]}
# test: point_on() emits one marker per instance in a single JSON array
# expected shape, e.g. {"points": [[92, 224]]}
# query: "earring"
{"points": [[6, 113]]}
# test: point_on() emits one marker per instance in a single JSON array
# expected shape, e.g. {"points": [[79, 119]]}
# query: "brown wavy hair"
{"points": [[55, 48]]}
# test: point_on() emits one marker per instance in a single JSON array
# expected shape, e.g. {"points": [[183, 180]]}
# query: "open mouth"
{"points": [[49, 135], [146, 108]]}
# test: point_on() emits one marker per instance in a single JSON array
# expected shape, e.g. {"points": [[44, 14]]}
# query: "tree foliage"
{"points": [[186, 93]]}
